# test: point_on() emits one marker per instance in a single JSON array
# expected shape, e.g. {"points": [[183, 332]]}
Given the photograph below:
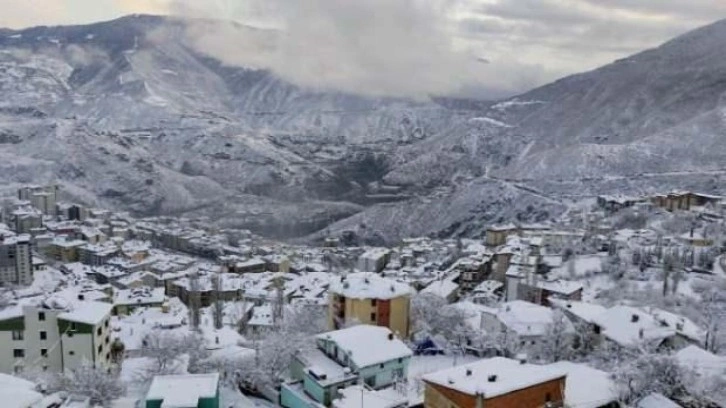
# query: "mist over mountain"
{"points": [[128, 113]]}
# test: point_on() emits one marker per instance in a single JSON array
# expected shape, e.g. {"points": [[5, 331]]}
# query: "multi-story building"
{"points": [[361, 354], [54, 335], [44, 198], [16, 260], [368, 298], [27, 219]]}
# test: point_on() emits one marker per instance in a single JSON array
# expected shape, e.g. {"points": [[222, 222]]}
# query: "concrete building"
{"points": [[367, 298], [16, 260], [44, 198], [55, 335], [374, 260], [497, 383]]}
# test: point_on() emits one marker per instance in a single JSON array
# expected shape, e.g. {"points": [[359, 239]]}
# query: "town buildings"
{"points": [[184, 391]]}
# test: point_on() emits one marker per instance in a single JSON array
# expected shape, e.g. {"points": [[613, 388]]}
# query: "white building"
{"points": [[54, 335]]}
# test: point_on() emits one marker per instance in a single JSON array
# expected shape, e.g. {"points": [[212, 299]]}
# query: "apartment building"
{"points": [[54, 335], [16, 260], [368, 298], [44, 198]]}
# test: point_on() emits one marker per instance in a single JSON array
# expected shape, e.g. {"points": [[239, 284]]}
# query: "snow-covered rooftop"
{"points": [[368, 285], [525, 318], [494, 376], [368, 345], [587, 387], [629, 326], [87, 312], [358, 397], [180, 391]]}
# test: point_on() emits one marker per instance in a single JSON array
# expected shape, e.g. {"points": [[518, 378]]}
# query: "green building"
{"points": [[184, 391]]}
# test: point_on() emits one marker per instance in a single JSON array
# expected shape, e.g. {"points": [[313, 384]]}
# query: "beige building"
{"points": [[368, 298], [55, 335], [43, 198]]}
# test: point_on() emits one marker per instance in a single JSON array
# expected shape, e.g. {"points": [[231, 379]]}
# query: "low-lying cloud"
{"points": [[371, 47]]}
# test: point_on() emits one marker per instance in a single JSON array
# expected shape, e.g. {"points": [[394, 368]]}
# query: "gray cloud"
{"points": [[407, 47], [372, 47]]}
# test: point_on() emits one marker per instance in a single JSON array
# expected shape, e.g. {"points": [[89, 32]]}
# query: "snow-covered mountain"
{"points": [[127, 114]]}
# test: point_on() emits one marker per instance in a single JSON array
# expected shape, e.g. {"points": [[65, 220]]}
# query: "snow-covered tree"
{"points": [[651, 373], [558, 341], [433, 317], [95, 383], [167, 350]]}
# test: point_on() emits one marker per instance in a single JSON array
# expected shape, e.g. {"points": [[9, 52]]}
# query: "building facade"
{"points": [[367, 298], [54, 336], [16, 260]]}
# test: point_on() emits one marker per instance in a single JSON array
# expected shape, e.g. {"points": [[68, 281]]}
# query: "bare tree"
{"points": [[557, 343], [433, 317], [217, 302], [194, 305], [94, 383]]}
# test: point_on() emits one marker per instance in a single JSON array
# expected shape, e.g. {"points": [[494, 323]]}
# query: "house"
{"points": [[368, 298], [54, 335], [587, 387], [631, 328], [126, 300], [184, 391], [18, 393], [656, 400], [357, 396], [528, 321], [541, 291], [496, 235], [363, 354], [613, 204], [472, 272], [374, 260], [445, 288], [497, 383]]}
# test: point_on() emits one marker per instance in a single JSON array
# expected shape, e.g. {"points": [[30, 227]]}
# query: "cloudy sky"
{"points": [[405, 47]]}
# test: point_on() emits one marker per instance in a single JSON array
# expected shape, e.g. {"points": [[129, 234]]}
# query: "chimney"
{"points": [[468, 372], [492, 378], [81, 296], [634, 318], [390, 336]]}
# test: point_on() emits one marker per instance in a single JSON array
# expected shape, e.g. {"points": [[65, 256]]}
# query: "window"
{"points": [[41, 316], [18, 335], [18, 353], [373, 302], [73, 326], [398, 373], [548, 397], [44, 352], [100, 347], [381, 366], [373, 317], [106, 323], [43, 335], [71, 353], [98, 331]]}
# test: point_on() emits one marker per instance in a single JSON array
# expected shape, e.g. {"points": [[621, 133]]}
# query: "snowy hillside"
{"points": [[127, 114]]}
